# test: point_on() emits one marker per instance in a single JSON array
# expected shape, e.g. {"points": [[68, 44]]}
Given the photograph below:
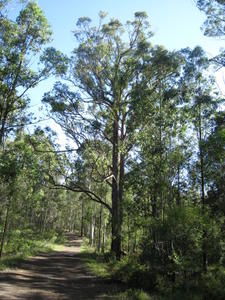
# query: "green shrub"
{"points": [[132, 294], [125, 269], [130, 271], [173, 243], [213, 283], [11, 262]]}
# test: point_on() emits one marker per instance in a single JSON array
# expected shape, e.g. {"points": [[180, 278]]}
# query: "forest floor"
{"points": [[57, 275]]}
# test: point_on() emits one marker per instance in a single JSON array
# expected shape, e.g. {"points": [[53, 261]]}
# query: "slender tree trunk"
{"points": [[92, 240], [82, 219], [135, 241], [128, 238], [70, 225], [204, 250], [2, 131], [160, 185], [100, 229], [74, 223], [154, 203], [104, 237], [44, 220], [120, 202], [4, 231], [116, 238], [178, 185]]}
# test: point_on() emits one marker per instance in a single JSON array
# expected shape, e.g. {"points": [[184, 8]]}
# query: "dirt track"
{"points": [[59, 275]]}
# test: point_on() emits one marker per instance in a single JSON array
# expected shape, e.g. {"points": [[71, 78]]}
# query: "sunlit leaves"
{"points": [[34, 27], [215, 12], [20, 41], [55, 62]]}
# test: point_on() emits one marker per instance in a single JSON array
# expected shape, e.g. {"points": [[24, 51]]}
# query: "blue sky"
{"points": [[175, 24]]}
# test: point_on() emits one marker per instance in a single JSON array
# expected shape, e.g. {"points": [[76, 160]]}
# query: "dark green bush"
{"points": [[213, 283]]}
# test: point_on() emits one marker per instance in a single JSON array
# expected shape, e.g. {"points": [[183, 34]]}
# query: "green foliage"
{"points": [[214, 25], [176, 240], [172, 244], [215, 12], [22, 244], [150, 154], [20, 40], [54, 60], [26, 242], [95, 263], [213, 283], [132, 294], [128, 270], [11, 262]]}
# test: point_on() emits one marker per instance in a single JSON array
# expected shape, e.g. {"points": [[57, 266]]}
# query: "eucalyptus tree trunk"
{"points": [[2, 129], [82, 219], [4, 231], [104, 237], [118, 167], [100, 229], [116, 227], [204, 250], [92, 231], [178, 185], [201, 161], [160, 157]]}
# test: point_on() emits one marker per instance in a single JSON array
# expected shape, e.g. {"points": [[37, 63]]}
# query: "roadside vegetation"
{"points": [[19, 248], [142, 284]]}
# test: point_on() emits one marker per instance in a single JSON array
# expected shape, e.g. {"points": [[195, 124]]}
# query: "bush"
{"points": [[173, 243], [213, 283], [132, 294], [170, 246], [125, 269], [130, 271]]}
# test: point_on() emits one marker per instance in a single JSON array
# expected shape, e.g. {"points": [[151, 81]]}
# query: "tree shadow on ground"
{"points": [[57, 275]]}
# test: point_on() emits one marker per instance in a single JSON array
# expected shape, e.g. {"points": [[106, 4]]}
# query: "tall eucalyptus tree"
{"points": [[98, 114], [21, 44], [214, 25]]}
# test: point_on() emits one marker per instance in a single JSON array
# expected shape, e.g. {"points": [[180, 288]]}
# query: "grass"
{"points": [[134, 294], [97, 265], [11, 262], [35, 247]]}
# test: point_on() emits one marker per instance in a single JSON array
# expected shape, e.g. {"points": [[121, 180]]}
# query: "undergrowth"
{"points": [[106, 267], [20, 247], [141, 280], [94, 262]]}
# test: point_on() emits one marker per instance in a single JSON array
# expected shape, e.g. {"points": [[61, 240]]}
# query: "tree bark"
{"points": [[204, 250], [92, 231], [82, 219], [4, 231], [100, 229], [104, 237], [116, 237], [178, 185]]}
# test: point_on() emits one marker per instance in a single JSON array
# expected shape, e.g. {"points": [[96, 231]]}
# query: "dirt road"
{"points": [[58, 275]]}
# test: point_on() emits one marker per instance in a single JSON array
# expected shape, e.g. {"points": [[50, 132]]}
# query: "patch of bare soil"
{"points": [[58, 275]]}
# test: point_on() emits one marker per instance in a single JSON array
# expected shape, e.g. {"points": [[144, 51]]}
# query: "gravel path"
{"points": [[58, 275]]}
